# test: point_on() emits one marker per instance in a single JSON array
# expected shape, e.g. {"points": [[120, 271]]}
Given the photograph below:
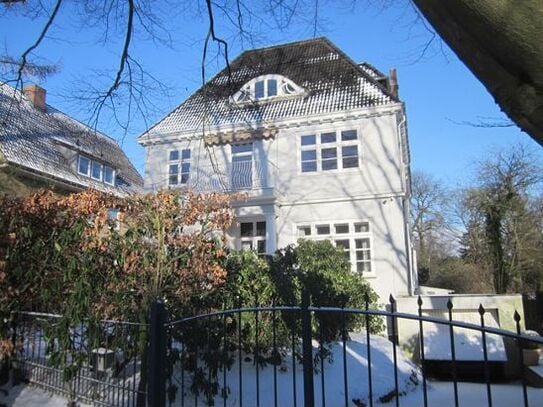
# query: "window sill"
{"points": [[335, 172]]}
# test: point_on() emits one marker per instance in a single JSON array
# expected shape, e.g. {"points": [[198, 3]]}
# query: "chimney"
{"points": [[36, 95], [393, 81]]}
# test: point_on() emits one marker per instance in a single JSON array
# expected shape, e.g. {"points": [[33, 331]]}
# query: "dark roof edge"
{"points": [[287, 44], [359, 69], [373, 68]]}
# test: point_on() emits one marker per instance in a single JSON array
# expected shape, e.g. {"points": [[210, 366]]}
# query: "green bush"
{"points": [[253, 281], [249, 284], [325, 273]]}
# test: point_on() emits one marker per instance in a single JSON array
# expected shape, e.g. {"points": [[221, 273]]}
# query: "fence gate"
{"points": [[248, 356]]}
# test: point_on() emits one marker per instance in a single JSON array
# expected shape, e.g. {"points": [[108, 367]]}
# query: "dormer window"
{"points": [[95, 170], [267, 87], [259, 90]]}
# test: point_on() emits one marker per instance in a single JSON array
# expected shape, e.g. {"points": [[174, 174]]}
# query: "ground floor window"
{"points": [[354, 237], [253, 236]]}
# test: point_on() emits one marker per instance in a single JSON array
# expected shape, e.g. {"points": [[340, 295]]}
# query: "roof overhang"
{"points": [[150, 138]]}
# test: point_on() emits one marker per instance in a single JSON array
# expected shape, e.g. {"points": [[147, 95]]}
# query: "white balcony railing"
{"points": [[234, 176]]}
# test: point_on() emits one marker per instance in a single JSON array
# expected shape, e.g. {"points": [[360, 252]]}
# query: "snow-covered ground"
{"points": [[357, 376], [31, 396], [440, 394]]}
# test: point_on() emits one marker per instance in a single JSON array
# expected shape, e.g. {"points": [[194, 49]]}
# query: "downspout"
{"points": [[405, 206]]}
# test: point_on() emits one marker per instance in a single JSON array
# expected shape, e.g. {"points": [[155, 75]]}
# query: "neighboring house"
{"points": [[318, 143], [43, 147]]}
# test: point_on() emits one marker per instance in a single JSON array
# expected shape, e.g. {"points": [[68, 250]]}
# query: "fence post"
{"points": [[307, 351], [156, 391]]}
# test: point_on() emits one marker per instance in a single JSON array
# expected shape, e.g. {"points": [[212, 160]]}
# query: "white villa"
{"points": [[317, 142]]}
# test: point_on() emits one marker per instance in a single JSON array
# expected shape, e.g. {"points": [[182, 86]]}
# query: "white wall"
{"points": [[385, 217], [373, 192], [379, 169]]}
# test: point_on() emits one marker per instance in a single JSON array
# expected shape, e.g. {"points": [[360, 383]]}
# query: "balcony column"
{"points": [[271, 236]]}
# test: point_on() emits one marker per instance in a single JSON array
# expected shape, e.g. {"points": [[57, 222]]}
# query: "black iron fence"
{"points": [[92, 362], [265, 356]]}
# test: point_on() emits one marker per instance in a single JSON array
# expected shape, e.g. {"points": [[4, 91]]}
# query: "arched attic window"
{"points": [[267, 87]]}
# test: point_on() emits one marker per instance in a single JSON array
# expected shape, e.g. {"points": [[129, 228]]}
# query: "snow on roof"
{"points": [[32, 139], [332, 80]]}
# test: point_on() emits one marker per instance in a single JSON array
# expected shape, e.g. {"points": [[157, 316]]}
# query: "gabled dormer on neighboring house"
{"points": [[43, 147], [317, 142]]}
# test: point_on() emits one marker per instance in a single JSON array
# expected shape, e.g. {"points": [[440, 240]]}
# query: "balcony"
{"points": [[252, 176]]}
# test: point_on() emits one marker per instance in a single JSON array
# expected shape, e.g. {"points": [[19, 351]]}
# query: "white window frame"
{"points": [[100, 177], [319, 146], [179, 162], [112, 174], [246, 157], [285, 88], [89, 166], [253, 239], [333, 237], [89, 173]]}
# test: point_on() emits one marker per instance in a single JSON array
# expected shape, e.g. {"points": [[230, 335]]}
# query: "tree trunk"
{"points": [[500, 42]]}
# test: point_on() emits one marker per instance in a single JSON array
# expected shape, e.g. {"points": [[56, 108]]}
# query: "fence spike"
{"points": [[449, 304], [419, 301], [391, 299], [516, 316], [481, 309]]}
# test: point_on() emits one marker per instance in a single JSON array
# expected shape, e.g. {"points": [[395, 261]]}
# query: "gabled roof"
{"points": [[333, 83], [34, 140]]}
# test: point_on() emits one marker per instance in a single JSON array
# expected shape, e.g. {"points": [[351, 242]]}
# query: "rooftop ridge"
{"points": [[287, 44]]}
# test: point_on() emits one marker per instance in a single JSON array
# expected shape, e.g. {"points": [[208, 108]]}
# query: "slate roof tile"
{"points": [[32, 139], [332, 80]]}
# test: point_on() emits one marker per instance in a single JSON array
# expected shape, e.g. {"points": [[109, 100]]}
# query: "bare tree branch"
{"points": [[123, 61], [22, 64], [485, 122]]}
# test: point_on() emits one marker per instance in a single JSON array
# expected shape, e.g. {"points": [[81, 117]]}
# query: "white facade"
{"points": [[288, 200], [341, 175]]}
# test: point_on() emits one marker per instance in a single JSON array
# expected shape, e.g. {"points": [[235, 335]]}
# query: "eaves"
{"points": [[292, 122]]}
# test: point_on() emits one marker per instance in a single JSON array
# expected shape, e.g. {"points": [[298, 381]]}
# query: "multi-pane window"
{"points": [[109, 175], [242, 166], [329, 151], [363, 255], [95, 170], [179, 167], [84, 166], [353, 238], [253, 236], [265, 88]]}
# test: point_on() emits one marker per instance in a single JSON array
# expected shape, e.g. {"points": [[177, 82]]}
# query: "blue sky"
{"points": [[439, 91]]}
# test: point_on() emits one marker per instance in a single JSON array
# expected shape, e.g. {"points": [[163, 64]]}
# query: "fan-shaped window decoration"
{"points": [[267, 87], [288, 89]]}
